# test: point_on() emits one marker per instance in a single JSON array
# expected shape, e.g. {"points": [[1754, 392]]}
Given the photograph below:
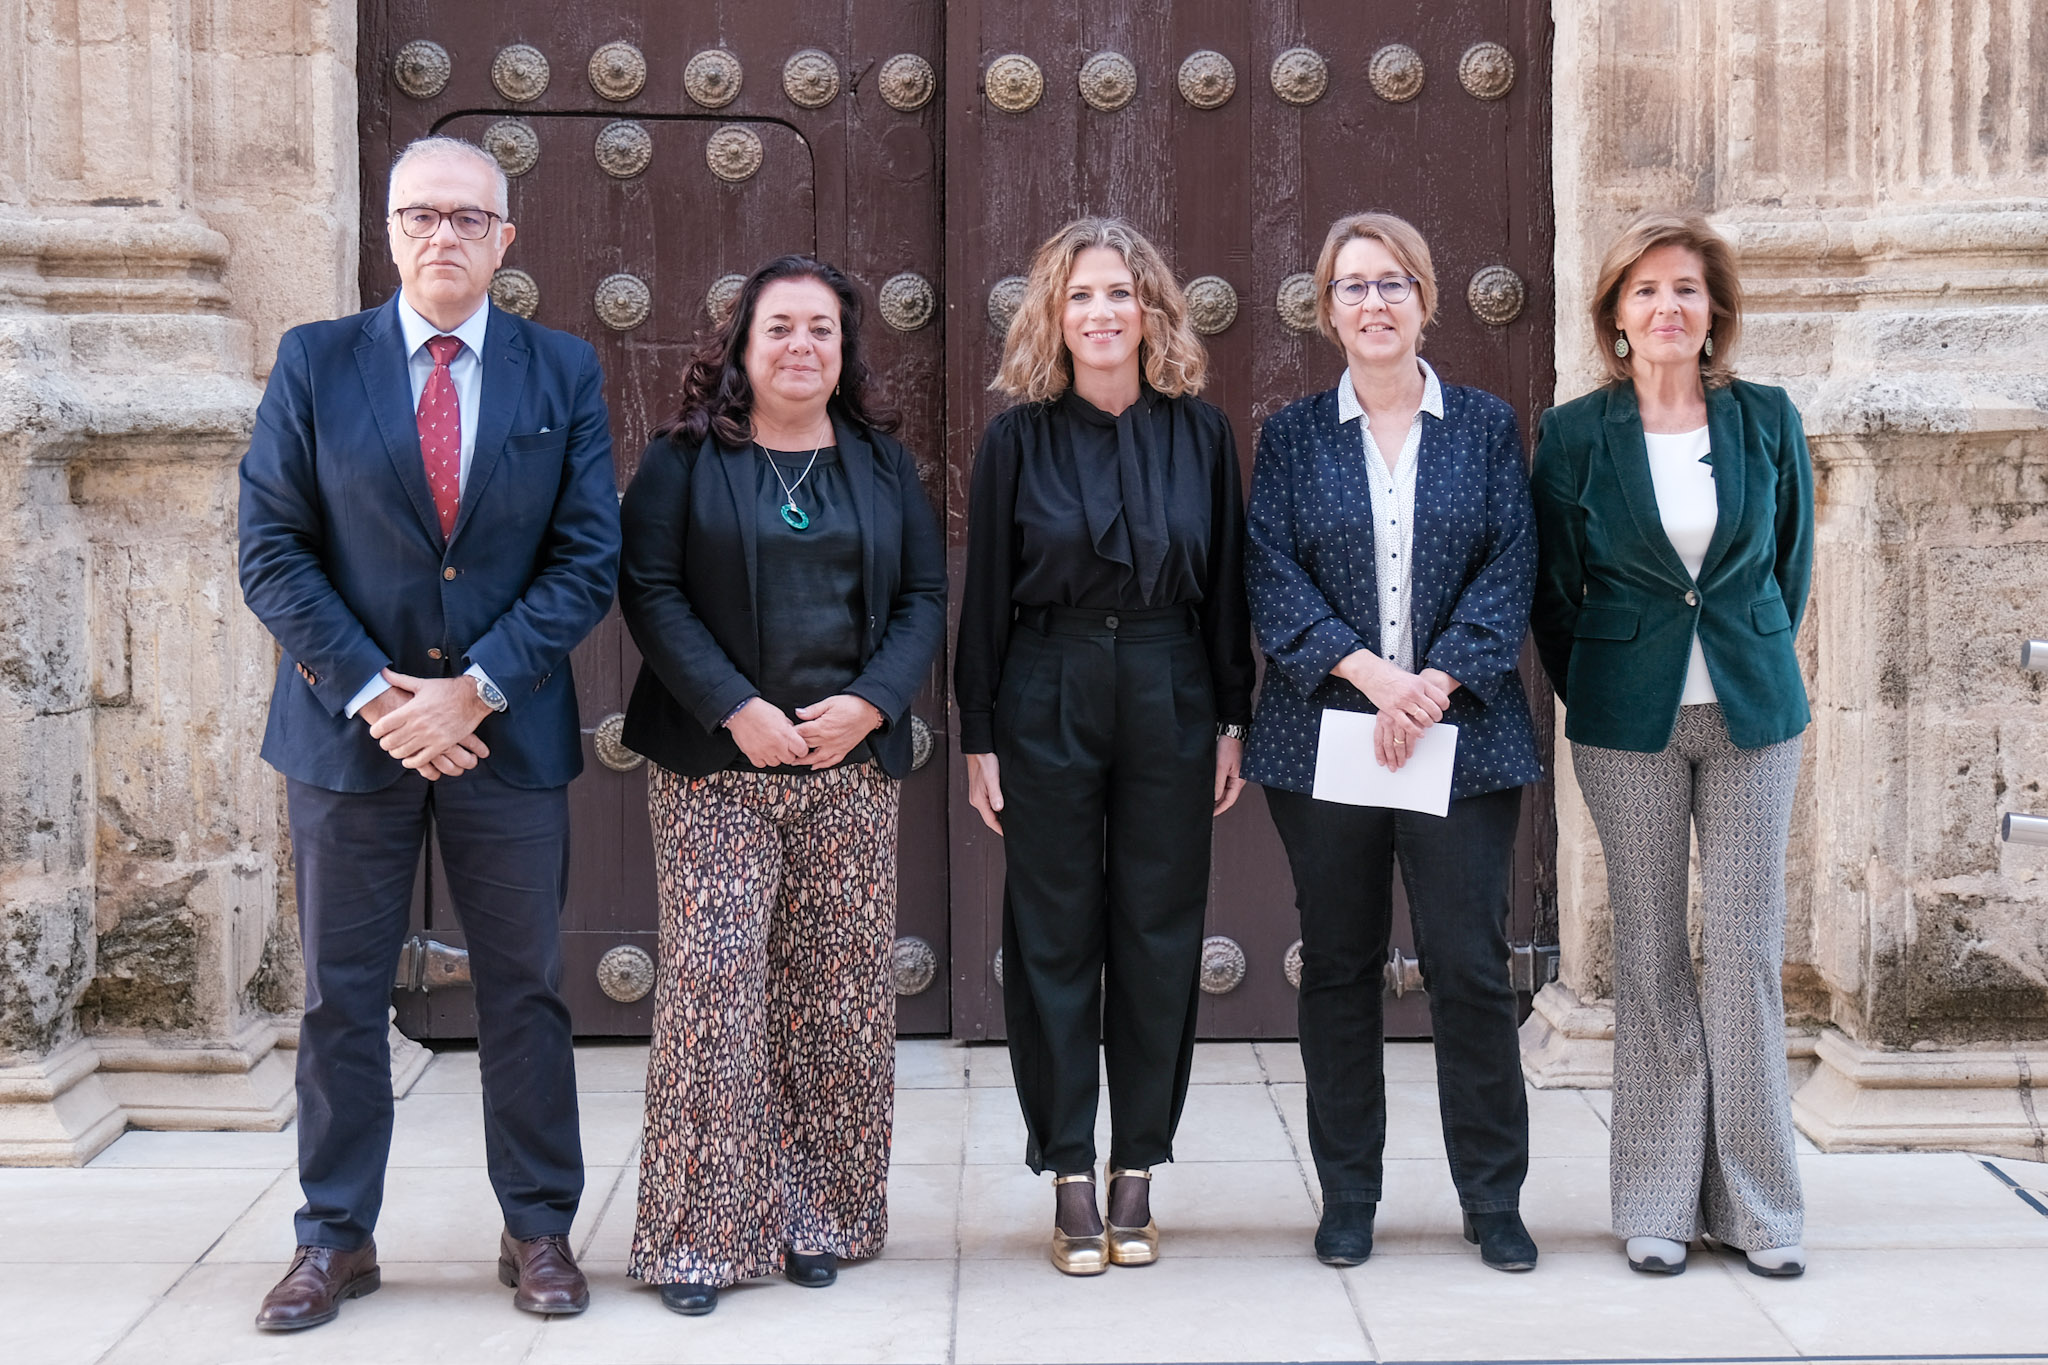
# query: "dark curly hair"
{"points": [[718, 399]]}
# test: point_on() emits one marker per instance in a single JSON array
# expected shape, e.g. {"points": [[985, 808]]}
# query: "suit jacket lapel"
{"points": [[1630, 456], [738, 466], [1434, 471], [381, 360], [858, 459], [505, 366], [1724, 438], [1337, 449]]}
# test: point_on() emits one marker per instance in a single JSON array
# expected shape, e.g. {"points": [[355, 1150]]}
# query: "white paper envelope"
{"points": [[1347, 771]]}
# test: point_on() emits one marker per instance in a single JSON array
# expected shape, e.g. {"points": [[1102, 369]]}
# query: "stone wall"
{"points": [[1883, 167], [177, 185]]}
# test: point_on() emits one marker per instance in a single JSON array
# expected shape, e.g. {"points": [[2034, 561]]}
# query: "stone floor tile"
{"points": [[1230, 1123], [423, 1315], [1227, 1064], [1571, 1307], [924, 1212], [2028, 1175], [452, 1072], [995, 1127], [1564, 1204], [1182, 1309], [1415, 1125], [989, 1064], [1601, 1102], [1281, 1061], [611, 1066], [429, 1214], [140, 1150], [1561, 1123], [1411, 1063], [92, 1215], [880, 1311], [1903, 1303], [1911, 1201], [930, 1125], [609, 1240], [930, 1064], [448, 1129], [71, 1314]]}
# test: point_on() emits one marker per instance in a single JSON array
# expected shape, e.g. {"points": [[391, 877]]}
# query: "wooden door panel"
{"points": [[1244, 191], [854, 180]]}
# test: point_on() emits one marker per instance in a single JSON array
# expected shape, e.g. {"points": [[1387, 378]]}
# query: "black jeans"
{"points": [[1456, 871], [1106, 736]]}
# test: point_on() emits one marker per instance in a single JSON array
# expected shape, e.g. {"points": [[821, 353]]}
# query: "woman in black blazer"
{"points": [[783, 577], [1675, 509]]}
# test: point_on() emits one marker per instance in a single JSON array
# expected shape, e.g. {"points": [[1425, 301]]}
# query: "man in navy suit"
{"points": [[429, 524]]}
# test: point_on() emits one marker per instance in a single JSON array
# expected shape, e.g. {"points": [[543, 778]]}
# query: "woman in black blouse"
{"points": [[783, 577], [1104, 681]]}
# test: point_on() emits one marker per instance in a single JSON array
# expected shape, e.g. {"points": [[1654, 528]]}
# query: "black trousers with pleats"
{"points": [[1105, 732]]}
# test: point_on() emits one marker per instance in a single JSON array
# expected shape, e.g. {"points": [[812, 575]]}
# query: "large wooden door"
{"points": [[658, 153], [926, 146], [1232, 132]]}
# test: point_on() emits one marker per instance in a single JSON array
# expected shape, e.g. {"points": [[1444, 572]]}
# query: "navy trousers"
{"points": [[506, 853], [1457, 870]]}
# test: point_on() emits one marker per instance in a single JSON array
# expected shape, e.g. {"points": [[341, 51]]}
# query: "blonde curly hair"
{"points": [[1036, 365]]}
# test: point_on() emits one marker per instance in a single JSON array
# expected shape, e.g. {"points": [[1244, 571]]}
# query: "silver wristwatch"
{"points": [[1240, 733], [487, 692]]}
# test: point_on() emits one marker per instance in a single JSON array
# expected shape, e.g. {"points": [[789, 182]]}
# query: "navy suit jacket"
{"points": [[1312, 574], [342, 557]]}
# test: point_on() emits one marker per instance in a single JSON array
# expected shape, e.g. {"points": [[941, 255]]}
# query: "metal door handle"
{"points": [[425, 964]]}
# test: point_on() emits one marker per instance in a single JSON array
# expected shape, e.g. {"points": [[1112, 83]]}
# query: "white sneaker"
{"points": [[1779, 1263], [1656, 1256]]}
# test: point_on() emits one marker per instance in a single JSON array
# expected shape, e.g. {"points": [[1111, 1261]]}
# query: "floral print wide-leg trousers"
{"points": [[770, 1083]]}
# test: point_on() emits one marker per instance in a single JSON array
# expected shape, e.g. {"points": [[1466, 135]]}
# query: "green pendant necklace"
{"points": [[796, 517]]}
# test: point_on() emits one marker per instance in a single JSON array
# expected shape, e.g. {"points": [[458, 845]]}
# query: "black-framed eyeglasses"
{"points": [[1393, 288], [417, 220]]}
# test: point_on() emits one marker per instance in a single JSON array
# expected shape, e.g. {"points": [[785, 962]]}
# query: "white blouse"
{"points": [[1392, 490], [1686, 502]]}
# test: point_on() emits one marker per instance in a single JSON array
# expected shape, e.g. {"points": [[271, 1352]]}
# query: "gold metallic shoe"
{"points": [[1086, 1255], [1132, 1246]]}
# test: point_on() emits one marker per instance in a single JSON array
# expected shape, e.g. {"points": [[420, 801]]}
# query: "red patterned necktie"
{"points": [[440, 418]]}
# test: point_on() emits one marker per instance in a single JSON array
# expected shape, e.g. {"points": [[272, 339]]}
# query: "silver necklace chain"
{"points": [[788, 488]]}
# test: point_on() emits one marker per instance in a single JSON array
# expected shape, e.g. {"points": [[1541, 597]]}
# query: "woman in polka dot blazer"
{"points": [[1390, 559]]}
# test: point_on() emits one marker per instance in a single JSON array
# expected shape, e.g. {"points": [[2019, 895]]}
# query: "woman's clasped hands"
{"points": [[823, 735], [1408, 703]]}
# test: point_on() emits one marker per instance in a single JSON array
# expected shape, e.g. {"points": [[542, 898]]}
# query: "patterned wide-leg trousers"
{"points": [[770, 1082], [1702, 1131]]}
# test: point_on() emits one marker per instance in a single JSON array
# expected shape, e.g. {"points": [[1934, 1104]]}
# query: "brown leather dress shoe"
{"points": [[312, 1290], [545, 1274]]}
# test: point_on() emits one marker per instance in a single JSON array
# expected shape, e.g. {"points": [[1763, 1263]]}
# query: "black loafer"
{"points": [[1503, 1242], [812, 1272], [1344, 1237], [691, 1300]]}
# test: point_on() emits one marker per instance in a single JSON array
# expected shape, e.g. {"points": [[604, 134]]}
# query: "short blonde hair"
{"points": [[1661, 227], [1036, 365], [1402, 241]]}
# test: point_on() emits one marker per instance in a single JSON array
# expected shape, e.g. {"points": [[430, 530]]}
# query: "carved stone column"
{"points": [[165, 177], [1878, 165]]}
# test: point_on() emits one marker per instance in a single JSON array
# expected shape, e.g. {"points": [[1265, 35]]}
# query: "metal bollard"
{"points": [[2024, 829], [2034, 655]]}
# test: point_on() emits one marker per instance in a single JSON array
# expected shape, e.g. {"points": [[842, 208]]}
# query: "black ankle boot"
{"points": [[1344, 1237], [691, 1300], [811, 1271], [1503, 1242]]}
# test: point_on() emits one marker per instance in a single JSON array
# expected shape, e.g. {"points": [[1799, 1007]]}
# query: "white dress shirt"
{"points": [[467, 370], [1393, 513], [1690, 512]]}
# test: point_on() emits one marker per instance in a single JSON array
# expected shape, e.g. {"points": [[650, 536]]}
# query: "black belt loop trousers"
{"points": [[1105, 733]]}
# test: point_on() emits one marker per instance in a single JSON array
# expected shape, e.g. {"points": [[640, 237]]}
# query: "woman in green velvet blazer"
{"points": [[1674, 513]]}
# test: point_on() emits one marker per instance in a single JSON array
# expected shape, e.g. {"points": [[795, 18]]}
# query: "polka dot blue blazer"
{"points": [[1310, 569]]}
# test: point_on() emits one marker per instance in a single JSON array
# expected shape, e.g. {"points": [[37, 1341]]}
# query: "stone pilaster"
{"points": [[166, 171]]}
